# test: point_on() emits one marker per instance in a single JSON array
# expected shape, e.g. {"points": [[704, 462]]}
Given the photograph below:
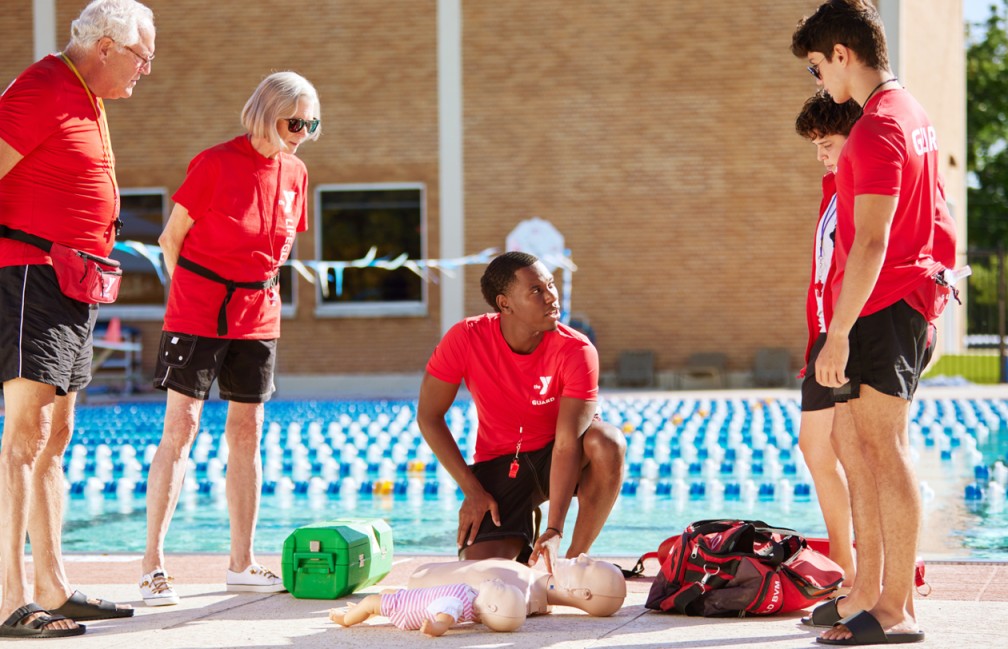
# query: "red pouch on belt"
{"points": [[85, 277]]}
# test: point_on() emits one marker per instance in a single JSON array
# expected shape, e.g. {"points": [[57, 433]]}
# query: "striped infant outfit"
{"points": [[407, 609]]}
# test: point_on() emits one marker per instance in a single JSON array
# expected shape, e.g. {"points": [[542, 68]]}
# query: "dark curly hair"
{"points": [[821, 116], [500, 274], [856, 24]]}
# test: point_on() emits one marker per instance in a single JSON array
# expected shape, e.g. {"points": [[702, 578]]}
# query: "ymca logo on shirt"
{"points": [[543, 387], [287, 200]]}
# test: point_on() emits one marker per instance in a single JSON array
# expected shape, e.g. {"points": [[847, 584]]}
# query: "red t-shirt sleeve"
{"points": [[197, 190], [447, 363], [581, 373], [30, 112], [881, 156]]}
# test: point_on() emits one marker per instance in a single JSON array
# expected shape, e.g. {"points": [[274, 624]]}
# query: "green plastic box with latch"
{"points": [[330, 559]]}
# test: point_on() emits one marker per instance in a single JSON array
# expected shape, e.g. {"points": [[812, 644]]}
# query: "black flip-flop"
{"points": [[824, 615], [80, 607], [865, 630], [16, 625]]}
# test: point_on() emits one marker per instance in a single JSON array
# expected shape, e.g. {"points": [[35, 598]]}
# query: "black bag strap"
{"points": [[685, 601], [638, 568], [46, 245], [25, 237], [743, 543], [230, 285]]}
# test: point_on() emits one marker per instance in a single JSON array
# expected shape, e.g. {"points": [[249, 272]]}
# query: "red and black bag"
{"points": [[82, 276], [734, 568]]}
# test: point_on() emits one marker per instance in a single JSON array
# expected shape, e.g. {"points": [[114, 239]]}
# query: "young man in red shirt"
{"points": [[57, 181], [535, 385], [883, 294], [826, 124]]}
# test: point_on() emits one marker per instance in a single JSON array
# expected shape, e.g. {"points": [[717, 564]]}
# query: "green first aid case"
{"points": [[330, 559]]}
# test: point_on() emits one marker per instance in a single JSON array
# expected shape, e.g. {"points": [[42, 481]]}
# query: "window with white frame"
{"points": [[353, 219], [143, 212]]}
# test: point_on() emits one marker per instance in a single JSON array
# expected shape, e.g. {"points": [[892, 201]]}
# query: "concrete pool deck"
{"points": [[968, 608]]}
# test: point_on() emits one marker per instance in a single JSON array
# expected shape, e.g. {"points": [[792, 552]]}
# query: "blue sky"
{"points": [[977, 10]]}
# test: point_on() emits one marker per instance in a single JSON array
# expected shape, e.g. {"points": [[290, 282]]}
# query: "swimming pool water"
{"points": [[687, 459]]}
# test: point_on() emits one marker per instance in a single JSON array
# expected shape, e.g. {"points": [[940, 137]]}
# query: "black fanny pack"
{"points": [[230, 285]]}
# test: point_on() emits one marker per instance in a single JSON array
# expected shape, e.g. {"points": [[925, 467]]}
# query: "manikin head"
{"points": [[500, 606], [596, 587]]}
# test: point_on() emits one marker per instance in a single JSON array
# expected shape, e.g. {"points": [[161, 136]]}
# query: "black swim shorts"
{"points": [[518, 498], [814, 396], [47, 337], [888, 351], [190, 364]]}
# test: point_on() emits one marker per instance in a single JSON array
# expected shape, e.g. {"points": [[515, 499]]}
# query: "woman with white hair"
{"points": [[233, 226]]}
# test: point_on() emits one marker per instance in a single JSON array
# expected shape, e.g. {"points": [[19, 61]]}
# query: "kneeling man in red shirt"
{"points": [[534, 382]]}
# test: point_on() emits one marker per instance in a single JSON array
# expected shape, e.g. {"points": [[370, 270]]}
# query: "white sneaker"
{"points": [[156, 589], [254, 579]]}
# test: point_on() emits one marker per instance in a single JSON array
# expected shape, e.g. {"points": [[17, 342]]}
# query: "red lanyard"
{"points": [[514, 466], [513, 469]]}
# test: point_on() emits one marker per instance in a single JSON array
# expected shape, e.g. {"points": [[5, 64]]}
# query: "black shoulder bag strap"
{"points": [[231, 286]]}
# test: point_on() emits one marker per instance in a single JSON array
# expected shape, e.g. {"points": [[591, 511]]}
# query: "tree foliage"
{"points": [[987, 130]]}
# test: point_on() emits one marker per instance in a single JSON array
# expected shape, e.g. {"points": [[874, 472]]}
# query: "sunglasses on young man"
{"points": [[295, 124], [814, 69]]}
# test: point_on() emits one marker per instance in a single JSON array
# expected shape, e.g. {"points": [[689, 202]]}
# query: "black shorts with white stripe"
{"points": [[47, 337]]}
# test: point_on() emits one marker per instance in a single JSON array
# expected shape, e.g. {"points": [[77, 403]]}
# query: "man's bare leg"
{"points": [[830, 484], [864, 510], [881, 423], [601, 479], [28, 421], [45, 517]]}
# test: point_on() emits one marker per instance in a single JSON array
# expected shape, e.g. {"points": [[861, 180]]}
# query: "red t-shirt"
{"points": [[63, 187], [515, 390], [246, 210], [944, 250], [822, 257], [892, 151]]}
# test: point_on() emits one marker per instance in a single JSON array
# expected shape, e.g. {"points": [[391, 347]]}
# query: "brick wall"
{"points": [[658, 137]]}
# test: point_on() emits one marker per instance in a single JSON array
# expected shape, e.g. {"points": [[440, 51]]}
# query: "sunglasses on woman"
{"points": [[295, 124]]}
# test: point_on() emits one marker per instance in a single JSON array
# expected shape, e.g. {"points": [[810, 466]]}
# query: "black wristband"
{"points": [[559, 533]]}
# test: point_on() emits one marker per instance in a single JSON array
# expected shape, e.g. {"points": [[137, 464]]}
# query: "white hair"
{"points": [[276, 98], [120, 20]]}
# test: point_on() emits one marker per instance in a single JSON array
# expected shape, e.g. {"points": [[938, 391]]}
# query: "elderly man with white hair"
{"points": [[57, 185]]}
